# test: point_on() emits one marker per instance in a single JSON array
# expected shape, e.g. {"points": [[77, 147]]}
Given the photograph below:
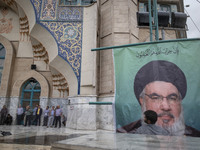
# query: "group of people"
{"points": [[52, 116], [6, 118]]}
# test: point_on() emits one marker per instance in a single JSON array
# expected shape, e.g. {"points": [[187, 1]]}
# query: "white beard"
{"points": [[177, 129]]}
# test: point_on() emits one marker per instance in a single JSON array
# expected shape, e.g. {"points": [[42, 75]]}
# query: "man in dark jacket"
{"points": [[4, 112], [8, 120], [149, 127], [38, 115]]}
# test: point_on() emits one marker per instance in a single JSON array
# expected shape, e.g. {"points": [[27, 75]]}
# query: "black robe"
{"points": [[132, 127]]}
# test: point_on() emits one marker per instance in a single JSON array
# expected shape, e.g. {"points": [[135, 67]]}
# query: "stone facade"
{"points": [[81, 115], [58, 40]]}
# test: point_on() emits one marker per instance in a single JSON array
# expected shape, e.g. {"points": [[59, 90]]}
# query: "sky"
{"points": [[193, 11]]}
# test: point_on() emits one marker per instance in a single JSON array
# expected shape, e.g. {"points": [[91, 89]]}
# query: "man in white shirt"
{"points": [[51, 117], [20, 112], [46, 115]]}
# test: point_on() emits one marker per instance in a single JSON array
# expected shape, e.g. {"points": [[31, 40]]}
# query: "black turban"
{"points": [[160, 70]]}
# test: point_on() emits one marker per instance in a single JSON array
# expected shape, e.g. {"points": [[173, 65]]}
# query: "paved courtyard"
{"points": [[43, 138]]}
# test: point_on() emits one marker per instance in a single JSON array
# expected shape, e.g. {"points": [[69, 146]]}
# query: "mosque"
{"points": [[46, 57]]}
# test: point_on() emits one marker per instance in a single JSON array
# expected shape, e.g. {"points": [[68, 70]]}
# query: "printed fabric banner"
{"points": [[163, 77]]}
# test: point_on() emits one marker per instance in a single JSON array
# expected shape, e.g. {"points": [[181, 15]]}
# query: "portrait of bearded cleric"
{"points": [[161, 86]]}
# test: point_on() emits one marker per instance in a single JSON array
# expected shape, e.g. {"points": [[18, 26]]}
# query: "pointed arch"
{"points": [[6, 74], [31, 74], [65, 69], [37, 31], [47, 40]]}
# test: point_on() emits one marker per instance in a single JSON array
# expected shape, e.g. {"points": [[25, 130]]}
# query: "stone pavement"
{"points": [[43, 138]]}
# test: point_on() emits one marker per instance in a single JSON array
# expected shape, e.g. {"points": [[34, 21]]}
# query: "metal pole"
{"points": [[144, 43], [163, 34], [100, 103], [156, 19], [79, 2], [150, 21]]}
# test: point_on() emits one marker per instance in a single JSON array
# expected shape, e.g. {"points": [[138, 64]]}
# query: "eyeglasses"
{"points": [[172, 98]]}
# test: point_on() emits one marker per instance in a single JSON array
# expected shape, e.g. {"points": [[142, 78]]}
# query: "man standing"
{"points": [[4, 112], [28, 114], [38, 115], [20, 112], [58, 114], [46, 115], [161, 86], [51, 117], [34, 115]]}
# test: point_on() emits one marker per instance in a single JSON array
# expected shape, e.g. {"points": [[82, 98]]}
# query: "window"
{"points": [[68, 2], [164, 14], [2, 59], [143, 7], [86, 2], [30, 93], [165, 8], [76, 2]]}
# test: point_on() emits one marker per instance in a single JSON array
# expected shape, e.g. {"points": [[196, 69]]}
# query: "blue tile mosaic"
{"points": [[65, 25], [70, 14], [49, 10], [37, 5], [68, 36]]}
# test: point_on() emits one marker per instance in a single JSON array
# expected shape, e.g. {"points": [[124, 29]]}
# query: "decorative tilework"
{"points": [[69, 39], [68, 36], [65, 25], [70, 14], [48, 11], [37, 5]]}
